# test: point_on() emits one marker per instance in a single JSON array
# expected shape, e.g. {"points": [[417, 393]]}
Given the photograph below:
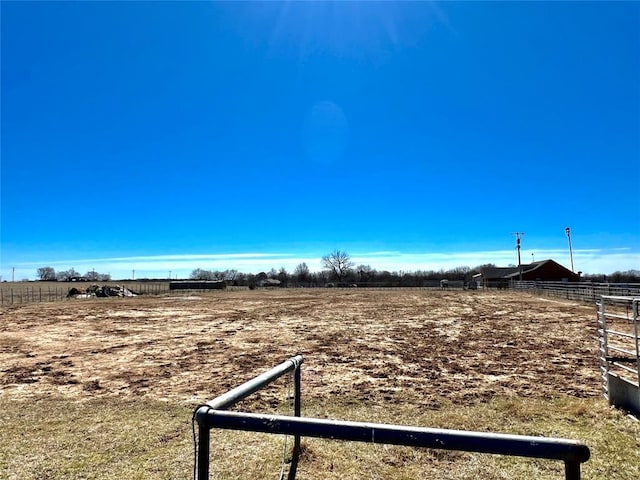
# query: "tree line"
{"points": [[337, 269], [49, 274]]}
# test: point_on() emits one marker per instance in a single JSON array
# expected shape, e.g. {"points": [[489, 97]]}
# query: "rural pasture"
{"points": [[105, 388]]}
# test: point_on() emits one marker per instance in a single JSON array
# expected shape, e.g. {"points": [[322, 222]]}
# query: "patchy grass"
{"points": [[106, 389], [57, 438]]}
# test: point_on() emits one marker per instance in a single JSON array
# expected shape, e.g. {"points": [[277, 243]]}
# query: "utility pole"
{"points": [[568, 232], [13, 274], [519, 235], [133, 275]]}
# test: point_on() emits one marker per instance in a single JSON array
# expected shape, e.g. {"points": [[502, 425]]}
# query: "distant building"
{"points": [[542, 271], [198, 285]]}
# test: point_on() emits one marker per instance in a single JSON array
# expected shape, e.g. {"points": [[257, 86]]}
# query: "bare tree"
{"points": [[283, 276], [92, 276], [231, 275], [67, 275], [200, 274], [338, 262], [301, 272], [47, 273], [365, 272]]}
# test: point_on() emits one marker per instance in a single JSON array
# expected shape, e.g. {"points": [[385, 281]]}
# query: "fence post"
{"points": [[203, 452], [571, 470], [297, 407]]}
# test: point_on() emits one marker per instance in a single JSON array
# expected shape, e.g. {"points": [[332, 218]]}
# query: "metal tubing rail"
{"points": [[243, 391], [622, 350], [237, 394], [621, 334], [572, 452]]}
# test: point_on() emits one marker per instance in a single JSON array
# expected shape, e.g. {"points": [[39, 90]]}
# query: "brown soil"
{"points": [[416, 346]]}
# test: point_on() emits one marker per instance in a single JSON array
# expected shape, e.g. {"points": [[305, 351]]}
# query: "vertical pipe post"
{"points": [[636, 334], [203, 452], [605, 349], [297, 404], [571, 470]]}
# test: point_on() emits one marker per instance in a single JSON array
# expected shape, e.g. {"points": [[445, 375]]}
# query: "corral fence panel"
{"points": [[214, 414], [588, 292], [619, 349]]}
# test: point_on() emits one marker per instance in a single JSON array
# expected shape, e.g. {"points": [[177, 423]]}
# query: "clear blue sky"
{"points": [[169, 136]]}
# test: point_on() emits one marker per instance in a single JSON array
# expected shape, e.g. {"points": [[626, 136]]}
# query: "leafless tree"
{"points": [[338, 262], [66, 275], [301, 272], [46, 273], [200, 274]]}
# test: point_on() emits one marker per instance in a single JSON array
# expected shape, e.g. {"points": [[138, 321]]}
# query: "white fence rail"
{"points": [[619, 349], [580, 291]]}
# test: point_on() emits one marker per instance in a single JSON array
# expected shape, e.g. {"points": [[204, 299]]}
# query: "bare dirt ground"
{"points": [[410, 346]]}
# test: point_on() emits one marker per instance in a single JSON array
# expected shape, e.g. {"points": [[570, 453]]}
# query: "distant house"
{"points": [[542, 271]]}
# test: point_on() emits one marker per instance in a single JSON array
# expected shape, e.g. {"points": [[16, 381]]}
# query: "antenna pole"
{"points": [[519, 235], [568, 232]]}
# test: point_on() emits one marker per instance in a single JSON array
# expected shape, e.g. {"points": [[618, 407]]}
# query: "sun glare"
{"points": [[361, 30]]}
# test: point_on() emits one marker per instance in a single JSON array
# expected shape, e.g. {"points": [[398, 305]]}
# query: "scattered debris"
{"points": [[101, 291]]}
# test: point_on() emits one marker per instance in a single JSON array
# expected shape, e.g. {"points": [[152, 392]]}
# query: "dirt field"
{"points": [[399, 346]]}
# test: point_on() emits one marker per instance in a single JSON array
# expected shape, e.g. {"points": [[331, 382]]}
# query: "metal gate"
{"points": [[619, 348]]}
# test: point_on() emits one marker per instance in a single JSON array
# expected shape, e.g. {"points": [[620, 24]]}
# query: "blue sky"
{"points": [[171, 136]]}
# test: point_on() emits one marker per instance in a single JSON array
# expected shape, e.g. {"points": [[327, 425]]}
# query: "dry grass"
{"points": [[106, 388], [134, 439]]}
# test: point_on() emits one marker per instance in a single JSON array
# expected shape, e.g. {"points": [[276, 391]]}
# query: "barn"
{"points": [[198, 285], [542, 271]]}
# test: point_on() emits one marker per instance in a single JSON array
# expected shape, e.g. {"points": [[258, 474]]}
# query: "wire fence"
{"points": [[19, 293]]}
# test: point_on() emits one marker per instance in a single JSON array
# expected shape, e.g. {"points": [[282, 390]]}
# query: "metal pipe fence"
{"points": [[213, 415], [619, 349], [579, 291], [232, 397]]}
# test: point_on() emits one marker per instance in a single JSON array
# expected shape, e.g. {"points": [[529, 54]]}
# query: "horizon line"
{"points": [[588, 260]]}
